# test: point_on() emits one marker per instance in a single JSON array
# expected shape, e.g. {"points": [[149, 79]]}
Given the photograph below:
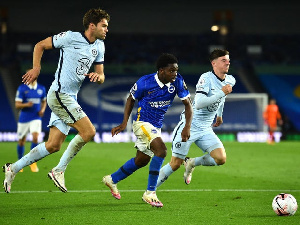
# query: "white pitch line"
{"points": [[167, 190]]}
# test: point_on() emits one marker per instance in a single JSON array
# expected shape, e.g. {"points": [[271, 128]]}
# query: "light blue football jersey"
{"points": [[36, 96], [210, 84], [154, 97], [77, 54]]}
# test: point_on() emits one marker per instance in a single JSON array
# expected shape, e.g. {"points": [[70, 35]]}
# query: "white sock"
{"points": [[34, 155], [73, 148], [205, 160], [164, 173]]}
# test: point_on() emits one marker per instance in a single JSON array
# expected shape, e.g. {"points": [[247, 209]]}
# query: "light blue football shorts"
{"points": [[145, 133], [65, 110], [206, 140]]}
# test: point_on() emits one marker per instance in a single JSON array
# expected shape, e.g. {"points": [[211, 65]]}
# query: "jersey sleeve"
{"points": [[203, 85], [19, 95], [61, 40], [137, 89], [182, 91], [101, 50]]}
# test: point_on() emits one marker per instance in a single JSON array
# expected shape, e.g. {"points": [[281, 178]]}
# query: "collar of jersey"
{"points": [[32, 86], [218, 77], [161, 84], [83, 35]]}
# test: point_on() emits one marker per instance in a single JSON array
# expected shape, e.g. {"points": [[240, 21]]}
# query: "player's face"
{"points": [[168, 73], [101, 29], [221, 64]]}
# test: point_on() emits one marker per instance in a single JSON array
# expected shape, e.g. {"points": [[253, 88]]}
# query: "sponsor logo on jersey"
{"points": [[159, 104]]}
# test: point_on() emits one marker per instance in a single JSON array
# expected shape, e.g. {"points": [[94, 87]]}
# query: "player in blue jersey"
{"points": [[211, 91], [154, 93], [78, 52], [31, 101]]}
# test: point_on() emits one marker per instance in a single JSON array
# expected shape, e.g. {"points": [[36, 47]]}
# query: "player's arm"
{"points": [[202, 100], [219, 119], [127, 111], [21, 105], [185, 134], [32, 74], [98, 74], [43, 108]]}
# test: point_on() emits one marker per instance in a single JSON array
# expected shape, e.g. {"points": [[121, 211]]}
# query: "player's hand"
{"points": [[95, 77], [185, 134], [41, 113], [227, 89], [218, 122], [31, 75], [29, 104], [118, 129]]}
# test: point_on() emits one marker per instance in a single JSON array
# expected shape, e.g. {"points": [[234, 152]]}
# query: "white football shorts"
{"points": [[145, 133], [29, 127]]}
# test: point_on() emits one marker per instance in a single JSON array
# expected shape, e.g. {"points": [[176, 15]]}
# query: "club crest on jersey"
{"points": [[171, 89], [94, 52], [153, 131], [178, 145], [40, 91], [79, 109]]}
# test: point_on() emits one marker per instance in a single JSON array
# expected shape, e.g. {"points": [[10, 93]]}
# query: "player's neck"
{"points": [[89, 36]]}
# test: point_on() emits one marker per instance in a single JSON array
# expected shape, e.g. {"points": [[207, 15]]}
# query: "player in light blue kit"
{"points": [[78, 52], [31, 101], [155, 94], [211, 91]]}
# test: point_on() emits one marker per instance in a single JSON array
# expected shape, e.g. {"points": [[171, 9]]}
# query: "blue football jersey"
{"points": [[36, 96], [77, 54], [154, 97]]}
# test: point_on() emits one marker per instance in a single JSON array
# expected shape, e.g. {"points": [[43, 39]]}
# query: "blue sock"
{"points": [[154, 168], [126, 170], [20, 151], [33, 145]]}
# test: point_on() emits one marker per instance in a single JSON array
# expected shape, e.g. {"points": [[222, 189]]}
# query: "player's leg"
{"points": [[133, 164], [179, 151], [208, 143], [22, 130], [42, 150], [35, 130]]}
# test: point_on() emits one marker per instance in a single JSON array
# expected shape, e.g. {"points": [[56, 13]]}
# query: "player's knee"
{"points": [[52, 146], [88, 135], [161, 153], [221, 160]]}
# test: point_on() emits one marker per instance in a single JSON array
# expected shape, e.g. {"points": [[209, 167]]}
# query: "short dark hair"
{"points": [[165, 59], [216, 53], [94, 16]]}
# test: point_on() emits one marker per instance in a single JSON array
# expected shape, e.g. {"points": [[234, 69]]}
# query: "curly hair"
{"points": [[94, 16], [165, 59]]}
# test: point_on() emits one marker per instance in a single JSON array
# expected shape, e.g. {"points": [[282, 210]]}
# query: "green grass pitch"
{"points": [[239, 192]]}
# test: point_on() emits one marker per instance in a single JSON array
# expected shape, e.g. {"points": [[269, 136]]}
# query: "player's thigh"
{"points": [[55, 139], [85, 128], [145, 133], [180, 149], [35, 126], [209, 142], [65, 107]]}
